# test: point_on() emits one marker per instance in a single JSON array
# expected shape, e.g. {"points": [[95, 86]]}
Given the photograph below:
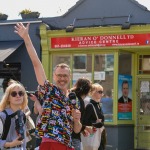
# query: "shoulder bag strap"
{"points": [[95, 111], [6, 125], [1, 127]]}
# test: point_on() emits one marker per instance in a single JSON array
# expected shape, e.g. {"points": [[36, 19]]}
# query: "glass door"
{"points": [[143, 114]]}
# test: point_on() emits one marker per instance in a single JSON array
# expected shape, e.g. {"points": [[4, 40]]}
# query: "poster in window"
{"points": [[125, 97]]}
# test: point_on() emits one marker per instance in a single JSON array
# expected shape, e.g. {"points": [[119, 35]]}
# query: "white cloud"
{"points": [[146, 3]]}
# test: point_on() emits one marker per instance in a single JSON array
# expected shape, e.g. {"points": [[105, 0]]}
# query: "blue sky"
{"points": [[47, 8]]}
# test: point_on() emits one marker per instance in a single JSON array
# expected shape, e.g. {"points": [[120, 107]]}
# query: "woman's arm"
{"points": [[14, 143], [22, 31]]}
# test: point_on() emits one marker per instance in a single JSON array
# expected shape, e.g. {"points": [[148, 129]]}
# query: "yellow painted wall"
{"points": [[46, 35]]}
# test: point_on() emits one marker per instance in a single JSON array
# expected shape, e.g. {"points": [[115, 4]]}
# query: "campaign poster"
{"points": [[125, 97]]}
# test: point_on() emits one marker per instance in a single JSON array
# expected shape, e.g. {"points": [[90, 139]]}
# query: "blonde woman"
{"points": [[89, 117], [29, 122], [14, 99]]}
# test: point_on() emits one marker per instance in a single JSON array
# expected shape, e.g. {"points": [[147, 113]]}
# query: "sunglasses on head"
{"points": [[14, 93], [100, 92]]}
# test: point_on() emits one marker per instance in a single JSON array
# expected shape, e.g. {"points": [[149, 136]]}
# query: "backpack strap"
{"points": [[24, 118], [1, 126], [6, 125]]}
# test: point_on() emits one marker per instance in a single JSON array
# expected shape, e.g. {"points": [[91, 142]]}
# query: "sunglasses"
{"points": [[100, 92], [14, 93]]}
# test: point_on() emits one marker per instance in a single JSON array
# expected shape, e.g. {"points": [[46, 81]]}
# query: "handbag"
{"points": [[30, 128], [92, 142]]}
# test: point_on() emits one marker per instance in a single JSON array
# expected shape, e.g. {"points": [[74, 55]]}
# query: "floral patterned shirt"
{"points": [[56, 121]]}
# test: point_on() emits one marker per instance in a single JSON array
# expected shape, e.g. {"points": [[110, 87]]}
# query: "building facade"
{"points": [[108, 56]]}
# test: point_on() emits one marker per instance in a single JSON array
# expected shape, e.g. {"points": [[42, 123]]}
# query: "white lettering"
{"points": [[113, 37]]}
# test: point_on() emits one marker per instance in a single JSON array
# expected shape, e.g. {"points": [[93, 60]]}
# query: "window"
{"points": [[125, 63], [79, 62], [57, 59], [109, 65], [144, 63], [104, 75], [82, 67]]}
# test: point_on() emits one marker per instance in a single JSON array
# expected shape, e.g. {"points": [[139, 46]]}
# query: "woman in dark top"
{"points": [[81, 89], [89, 116]]}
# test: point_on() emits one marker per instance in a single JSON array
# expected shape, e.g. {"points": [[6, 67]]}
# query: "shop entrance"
{"points": [[143, 114]]}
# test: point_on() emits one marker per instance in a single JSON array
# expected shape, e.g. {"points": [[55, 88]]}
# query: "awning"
{"points": [[7, 48]]}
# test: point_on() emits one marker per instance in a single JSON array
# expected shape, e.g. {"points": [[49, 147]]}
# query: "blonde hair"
{"points": [[5, 103], [95, 87]]}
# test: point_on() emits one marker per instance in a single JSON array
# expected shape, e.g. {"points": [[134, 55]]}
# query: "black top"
{"points": [[121, 100], [89, 114], [82, 109]]}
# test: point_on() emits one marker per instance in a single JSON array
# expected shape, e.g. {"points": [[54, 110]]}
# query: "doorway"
{"points": [[143, 114]]}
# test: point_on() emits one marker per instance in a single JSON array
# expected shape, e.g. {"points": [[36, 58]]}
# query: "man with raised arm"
{"points": [[58, 118]]}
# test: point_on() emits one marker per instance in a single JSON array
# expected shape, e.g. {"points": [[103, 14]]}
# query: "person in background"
{"points": [[5, 84], [87, 100], [59, 118], [37, 109], [11, 81], [125, 93], [14, 99], [89, 115], [81, 88], [107, 102]]}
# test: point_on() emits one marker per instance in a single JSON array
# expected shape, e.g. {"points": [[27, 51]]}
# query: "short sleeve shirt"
{"points": [[56, 121]]}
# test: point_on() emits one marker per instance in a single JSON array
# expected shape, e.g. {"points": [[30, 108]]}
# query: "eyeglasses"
{"points": [[62, 75], [100, 92], [14, 93]]}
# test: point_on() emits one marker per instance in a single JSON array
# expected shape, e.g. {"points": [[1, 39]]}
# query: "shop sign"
{"points": [[101, 41]]}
